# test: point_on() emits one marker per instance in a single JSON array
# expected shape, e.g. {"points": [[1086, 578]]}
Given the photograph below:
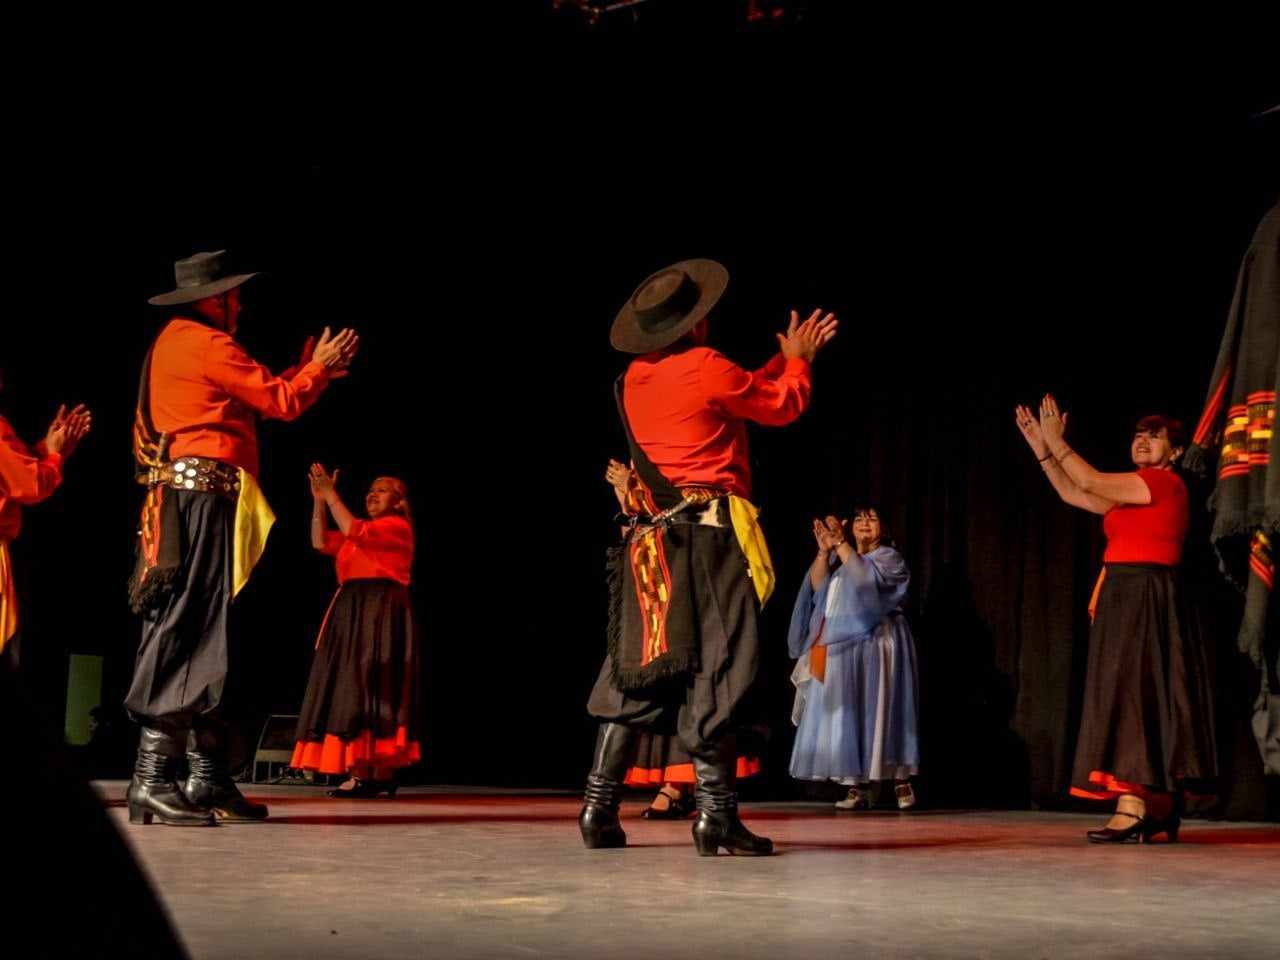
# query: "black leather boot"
{"points": [[717, 824], [209, 785], [599, 817], [153, 793]]}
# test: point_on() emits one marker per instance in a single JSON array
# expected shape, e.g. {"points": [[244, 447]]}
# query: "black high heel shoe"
{"points": [[1143, 828], [1134, 831], [677, 808], [363, 790]]}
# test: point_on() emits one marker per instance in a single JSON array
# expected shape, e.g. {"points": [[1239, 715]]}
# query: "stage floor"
{"points": [[440, 872]]}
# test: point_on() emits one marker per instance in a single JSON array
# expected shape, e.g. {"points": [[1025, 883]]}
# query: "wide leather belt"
{"points": [[195, 473]]}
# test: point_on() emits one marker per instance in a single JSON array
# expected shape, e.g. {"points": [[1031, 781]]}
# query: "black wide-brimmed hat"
{"points": [[668, 305], [199, 276]]}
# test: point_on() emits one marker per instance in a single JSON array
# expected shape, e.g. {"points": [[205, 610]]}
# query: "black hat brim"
{"points": [[628, 336], [200, 291]]}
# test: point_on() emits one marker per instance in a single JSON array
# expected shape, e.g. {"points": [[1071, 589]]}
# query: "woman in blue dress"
{"points": [[856, 683]]}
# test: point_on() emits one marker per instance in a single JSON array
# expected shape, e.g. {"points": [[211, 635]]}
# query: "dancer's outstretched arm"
{"points": [[1125, 487], [1062, 483], [319, 511], [820, 569], [342, 517]]}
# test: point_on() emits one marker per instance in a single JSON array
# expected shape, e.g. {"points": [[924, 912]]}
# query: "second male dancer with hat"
{"points": [[688, 581]]}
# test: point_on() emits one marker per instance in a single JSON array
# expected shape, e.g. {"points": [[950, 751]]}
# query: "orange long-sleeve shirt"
{"points": [[206, 392], [26, 477], [688, 411]]}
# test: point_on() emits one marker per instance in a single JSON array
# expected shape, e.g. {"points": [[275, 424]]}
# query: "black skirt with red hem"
{"points": [[363, 699], [661, 759], [1147, 717]]}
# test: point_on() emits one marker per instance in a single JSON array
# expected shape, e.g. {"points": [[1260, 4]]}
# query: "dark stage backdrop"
{"points": [[974, 265]]}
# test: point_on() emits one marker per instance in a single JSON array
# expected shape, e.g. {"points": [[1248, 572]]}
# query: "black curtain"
{"points": [[976, 261]]}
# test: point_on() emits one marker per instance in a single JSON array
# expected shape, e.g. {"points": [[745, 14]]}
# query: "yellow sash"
{"points": [[253, 523], [8, 598], [746, 526]]}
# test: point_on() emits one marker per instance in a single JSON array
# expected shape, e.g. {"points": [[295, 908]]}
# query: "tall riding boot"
{"points": [[209, 785], [717, 824], [599, 817], [152, 791]]}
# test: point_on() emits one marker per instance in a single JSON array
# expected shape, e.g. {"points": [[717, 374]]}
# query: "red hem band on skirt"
{"points": [[334, 755], [683, 773], [1111, 788]]}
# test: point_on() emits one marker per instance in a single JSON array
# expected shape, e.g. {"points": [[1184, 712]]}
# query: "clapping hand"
{"points": [[322, 483], [804, 340], [827, 538], [1053, 423], [1030, 427], [617, 475], [336, 352], [68, 429]]}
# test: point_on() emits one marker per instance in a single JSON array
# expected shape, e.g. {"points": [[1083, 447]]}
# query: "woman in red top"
{"points": [[1146, 722], [360, 715], [27, 477]]}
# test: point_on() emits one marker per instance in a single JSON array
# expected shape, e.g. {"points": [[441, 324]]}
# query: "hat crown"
{"points": [[200, 268], [205, 274], [664, 298]]}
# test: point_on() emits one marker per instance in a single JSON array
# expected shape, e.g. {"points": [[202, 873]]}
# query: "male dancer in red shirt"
{"points": [[203, 527], [687, 584]]}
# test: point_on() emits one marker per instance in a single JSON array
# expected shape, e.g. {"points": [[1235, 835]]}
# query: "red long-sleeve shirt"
{"points": [[380, 549], [25, 478], [206, 391], [688, 411]]}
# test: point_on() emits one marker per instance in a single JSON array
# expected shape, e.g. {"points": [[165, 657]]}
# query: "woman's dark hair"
{"points": [[866, 506], [1156, 422]]}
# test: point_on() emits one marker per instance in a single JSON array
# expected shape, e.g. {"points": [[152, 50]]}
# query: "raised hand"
{"points": [[1030, 429], [1053, 422], [822, 534], [337, 351], [68, 429], [322, 483], [804, 340], [836, 530], [617, 475]]}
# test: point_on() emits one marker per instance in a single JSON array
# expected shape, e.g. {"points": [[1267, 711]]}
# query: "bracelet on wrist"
{"points": [[1047, 456]]}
